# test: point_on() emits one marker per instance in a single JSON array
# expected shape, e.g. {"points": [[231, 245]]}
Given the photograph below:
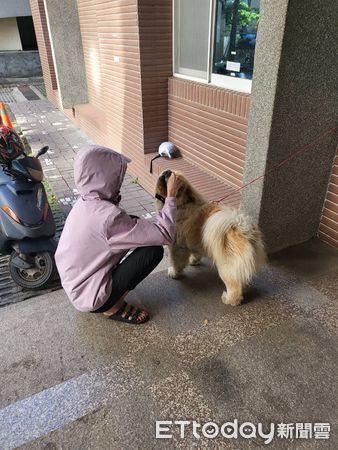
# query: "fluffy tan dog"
{"points": [[221, 233]]}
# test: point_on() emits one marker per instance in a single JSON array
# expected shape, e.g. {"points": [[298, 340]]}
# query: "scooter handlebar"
{"points": [[42, 151]]}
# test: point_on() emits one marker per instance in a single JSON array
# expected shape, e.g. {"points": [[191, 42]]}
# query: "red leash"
{"points": [[297, 152]]}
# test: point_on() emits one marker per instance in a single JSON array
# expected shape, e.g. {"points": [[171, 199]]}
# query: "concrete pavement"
{"points": [[73, 380]]}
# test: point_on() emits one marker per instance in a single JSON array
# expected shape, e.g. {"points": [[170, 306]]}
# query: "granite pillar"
{"points": [[66, 43], [294, 100]]}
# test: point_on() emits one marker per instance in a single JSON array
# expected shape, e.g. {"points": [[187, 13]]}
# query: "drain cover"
{"points": [[28, 92]]}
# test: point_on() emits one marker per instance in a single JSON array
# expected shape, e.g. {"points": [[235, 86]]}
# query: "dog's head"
{"points": [[185, 193]]}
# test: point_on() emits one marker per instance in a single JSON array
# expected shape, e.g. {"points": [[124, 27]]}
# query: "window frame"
{"points": [[213, 79]]}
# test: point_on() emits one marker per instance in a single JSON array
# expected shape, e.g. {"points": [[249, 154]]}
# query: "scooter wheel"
{"points": [[35, 277]]}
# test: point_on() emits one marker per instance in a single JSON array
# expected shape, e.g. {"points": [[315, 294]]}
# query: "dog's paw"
{"points": [[231, 300], [194, 260], [172, 273]]}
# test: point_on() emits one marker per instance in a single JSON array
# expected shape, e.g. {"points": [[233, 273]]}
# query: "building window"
{"points": [[214, 41], [191, 23]]}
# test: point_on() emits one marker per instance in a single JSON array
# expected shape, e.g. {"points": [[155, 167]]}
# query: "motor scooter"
{"points": [[27, 226]]}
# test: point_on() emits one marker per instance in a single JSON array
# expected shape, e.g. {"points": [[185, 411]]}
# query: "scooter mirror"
{"points": [[42, 151]]}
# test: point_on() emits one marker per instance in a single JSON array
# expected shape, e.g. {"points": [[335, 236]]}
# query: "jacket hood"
{"points": [[99, 172]]}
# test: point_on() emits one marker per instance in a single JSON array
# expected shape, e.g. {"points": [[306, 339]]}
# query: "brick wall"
{"points": [[209, 125], [128, 101], [127, 77], [44, 46], [155, 31], [328, 228]]}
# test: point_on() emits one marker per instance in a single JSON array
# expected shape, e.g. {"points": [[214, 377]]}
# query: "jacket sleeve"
{"points": [[124, 232]]}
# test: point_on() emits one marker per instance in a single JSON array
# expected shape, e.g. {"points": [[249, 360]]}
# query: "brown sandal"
{"points": [[130, 314]]}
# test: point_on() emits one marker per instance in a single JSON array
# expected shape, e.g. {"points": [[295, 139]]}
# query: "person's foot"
{"points": [[129, 314]]}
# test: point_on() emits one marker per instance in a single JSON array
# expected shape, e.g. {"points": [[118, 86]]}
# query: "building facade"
{"points": [[227, 81], [18, 47]]}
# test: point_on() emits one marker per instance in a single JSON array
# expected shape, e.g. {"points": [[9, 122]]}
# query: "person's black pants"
{"points": [[131, 271]]}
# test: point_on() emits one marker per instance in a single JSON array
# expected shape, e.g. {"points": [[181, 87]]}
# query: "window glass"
{"points": [[236, 25], [191, 37]]}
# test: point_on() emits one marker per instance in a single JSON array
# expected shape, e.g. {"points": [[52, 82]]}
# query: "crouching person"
{"points": [[98, 234]]}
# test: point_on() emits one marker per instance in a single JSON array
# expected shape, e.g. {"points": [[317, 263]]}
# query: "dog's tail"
{"points": [[234, 243]]}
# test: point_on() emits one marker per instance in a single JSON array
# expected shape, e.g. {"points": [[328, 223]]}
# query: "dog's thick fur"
{"points": [[221, 233]]}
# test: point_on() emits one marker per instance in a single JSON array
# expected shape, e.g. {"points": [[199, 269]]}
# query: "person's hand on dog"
{"points": [[173, 185]]}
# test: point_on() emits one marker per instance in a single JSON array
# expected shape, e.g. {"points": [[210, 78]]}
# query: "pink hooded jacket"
{"points": [[97, 233]]}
